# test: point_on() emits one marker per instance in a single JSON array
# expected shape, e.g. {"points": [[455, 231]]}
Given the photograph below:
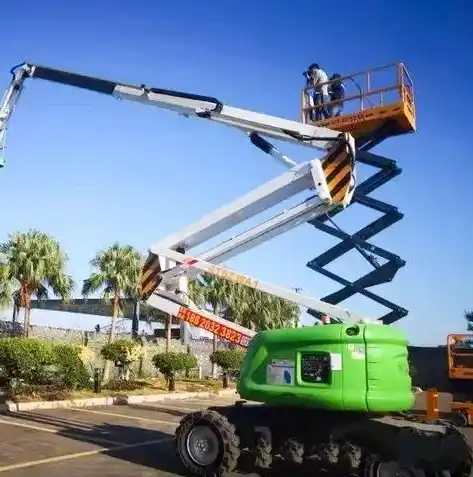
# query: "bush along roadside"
{"points": [[230, 360], [32, 362], [38, 370], [172, 364], [123, 353]]}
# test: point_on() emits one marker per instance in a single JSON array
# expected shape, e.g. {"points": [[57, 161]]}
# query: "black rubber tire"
{"points": [[350, 458], [229, 443], [459, 419], [293, 451], [455, 445], [263, 453]]}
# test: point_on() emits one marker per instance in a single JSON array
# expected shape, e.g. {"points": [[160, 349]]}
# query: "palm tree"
{"points": [[116, 273], [469, 319], [259, 310], [289, 314], [6, 286], [244, 305], [35, 262], [213, 293]]}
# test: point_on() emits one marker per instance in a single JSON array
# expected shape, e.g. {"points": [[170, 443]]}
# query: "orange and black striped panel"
{"points": [[338, 169], [150, 277]]}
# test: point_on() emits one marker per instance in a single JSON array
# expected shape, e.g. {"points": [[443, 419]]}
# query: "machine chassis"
{"points": [[347, 442]]}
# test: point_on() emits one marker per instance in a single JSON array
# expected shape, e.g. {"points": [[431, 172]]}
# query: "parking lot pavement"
{"points": [[119, 441], [116, 440]]}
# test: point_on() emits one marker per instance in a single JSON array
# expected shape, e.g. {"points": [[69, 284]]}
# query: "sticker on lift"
{"points": [[336, 361], [357, 351], [280, 372]]}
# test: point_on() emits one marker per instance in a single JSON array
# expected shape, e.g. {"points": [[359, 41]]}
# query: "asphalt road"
{"points": [[116, 441]]}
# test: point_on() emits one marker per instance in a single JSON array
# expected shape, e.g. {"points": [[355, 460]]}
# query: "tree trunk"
{"points": [[26, 322], [136, 320], [172, 383], [111, 335], [168, 326], [225, 380], [214, 348], [25, 302], [116, 308]]}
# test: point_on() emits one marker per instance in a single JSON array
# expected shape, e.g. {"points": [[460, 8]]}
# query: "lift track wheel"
{"points": [[207, 444]]}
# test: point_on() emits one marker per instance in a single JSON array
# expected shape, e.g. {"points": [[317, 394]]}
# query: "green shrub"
{"points": [[122, 352], [70, 370], [230, 360], [171, 363], [25, 359]]}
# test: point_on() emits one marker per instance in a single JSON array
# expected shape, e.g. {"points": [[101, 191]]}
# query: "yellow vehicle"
{"points": [[460, 373]]}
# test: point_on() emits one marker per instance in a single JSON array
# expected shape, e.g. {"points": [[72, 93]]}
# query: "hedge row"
{"points": [[24, 361], [67, 366]]}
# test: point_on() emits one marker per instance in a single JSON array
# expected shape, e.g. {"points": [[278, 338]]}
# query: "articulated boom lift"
{"points": [[328, 396], [332, 178]]}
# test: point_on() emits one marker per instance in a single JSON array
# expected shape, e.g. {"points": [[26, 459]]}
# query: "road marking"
{"points": [[159, 407], [58, 431], [204, 402], [77, 455], [124, 416], [28, 426]]}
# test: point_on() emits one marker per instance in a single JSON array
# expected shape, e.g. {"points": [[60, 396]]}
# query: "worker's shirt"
{"points": [[337, 91], [319, 76]]}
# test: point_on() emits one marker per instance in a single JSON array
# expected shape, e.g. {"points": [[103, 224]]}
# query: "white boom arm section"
{"points": [[332, 178], [187, 104]]}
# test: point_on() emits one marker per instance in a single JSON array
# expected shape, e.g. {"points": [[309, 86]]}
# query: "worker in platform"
{"points": [[321, 95], [309, 82], [336, 91]]}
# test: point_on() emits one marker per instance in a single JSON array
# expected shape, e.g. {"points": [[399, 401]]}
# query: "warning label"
{"points": [[280, 372]]}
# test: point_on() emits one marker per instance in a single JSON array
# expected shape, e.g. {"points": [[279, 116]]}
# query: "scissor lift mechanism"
{"points": [[165, 274]]}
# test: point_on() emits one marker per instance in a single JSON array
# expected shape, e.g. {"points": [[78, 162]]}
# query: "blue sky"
{"points": [[91, 170]]}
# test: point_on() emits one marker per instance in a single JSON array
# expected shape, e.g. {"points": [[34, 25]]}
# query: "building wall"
{"points": [[430, 367], [200, 348]]}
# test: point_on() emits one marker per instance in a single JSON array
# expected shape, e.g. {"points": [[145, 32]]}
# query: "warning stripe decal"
{"points": [[338, 170], [150, 276]]}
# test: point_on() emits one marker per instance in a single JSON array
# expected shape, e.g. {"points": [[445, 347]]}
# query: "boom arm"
{"points": [[332, 178], [165, 274], [206, 107]]}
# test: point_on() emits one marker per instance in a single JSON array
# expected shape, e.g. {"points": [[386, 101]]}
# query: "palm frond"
{"points": [[95, 282], [36, 262]]}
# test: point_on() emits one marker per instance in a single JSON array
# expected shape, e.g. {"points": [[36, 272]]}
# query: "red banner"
{"points": [[200, 321]]}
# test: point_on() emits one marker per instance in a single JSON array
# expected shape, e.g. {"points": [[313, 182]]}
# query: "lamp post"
{"points": [[135, 323]]}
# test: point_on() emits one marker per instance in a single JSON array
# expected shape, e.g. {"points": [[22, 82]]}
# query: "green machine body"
{"points": [[360, 367]]}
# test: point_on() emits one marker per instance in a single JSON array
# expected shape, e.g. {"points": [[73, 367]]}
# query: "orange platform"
{"points": [[372, 98]]}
